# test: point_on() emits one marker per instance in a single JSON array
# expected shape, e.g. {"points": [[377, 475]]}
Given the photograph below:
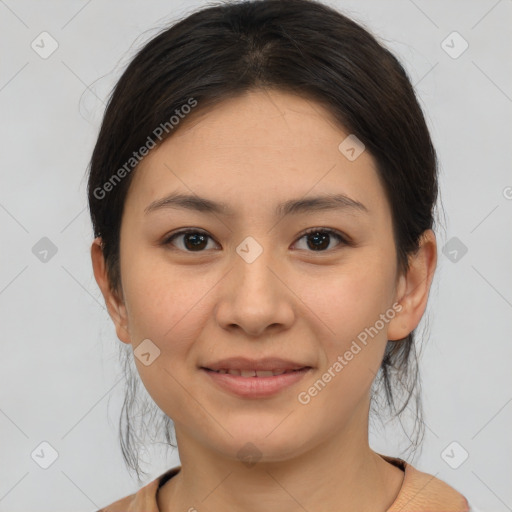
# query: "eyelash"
{"points": [[331, 232]]}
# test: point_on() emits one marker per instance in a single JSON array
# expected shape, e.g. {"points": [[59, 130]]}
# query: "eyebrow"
{"points": [[290, 207]]}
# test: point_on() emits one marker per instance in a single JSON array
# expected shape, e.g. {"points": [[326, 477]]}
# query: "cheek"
{"points": [[169, 310], [349, 305], [348, 300], [353, 340], [163, 304]]}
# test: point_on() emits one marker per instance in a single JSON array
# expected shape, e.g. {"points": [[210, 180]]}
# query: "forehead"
{"points": [[260, 148]]}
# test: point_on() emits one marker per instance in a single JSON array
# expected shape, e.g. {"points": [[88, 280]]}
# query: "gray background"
{"points": [[60, 381]]}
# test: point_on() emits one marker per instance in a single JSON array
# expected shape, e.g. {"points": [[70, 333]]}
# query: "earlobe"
{"points": [[115, 305], [414, 287]]}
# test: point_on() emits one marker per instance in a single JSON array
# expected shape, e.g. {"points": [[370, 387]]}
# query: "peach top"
{"points": [[420, 492]]}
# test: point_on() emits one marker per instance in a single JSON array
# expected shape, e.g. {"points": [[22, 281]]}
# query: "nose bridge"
{"points": [[252, 266], [255, 297]]}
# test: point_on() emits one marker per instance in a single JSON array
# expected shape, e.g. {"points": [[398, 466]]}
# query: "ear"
{"points": [[413, 288], [115, 305]]}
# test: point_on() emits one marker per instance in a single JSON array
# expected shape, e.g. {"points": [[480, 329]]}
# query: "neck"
{"points": [[342, 473]]}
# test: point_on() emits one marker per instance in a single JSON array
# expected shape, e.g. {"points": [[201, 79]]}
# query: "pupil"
{"points": [[319, 240], [196, 239]]}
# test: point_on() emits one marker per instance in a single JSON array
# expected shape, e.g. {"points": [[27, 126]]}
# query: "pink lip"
{"points": [[255, 387]]}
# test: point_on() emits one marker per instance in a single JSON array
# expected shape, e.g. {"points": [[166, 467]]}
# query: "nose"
{"points": [[254, 297]]}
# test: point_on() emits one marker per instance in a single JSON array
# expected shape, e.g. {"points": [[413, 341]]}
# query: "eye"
{"points": [[193, 240], [318, 239]]}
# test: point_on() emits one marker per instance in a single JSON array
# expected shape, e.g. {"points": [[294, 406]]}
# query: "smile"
{"points": [[254, 384], [254, 373]]}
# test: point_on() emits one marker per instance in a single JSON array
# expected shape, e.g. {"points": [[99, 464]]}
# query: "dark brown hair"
{"points": [[299, 46]]}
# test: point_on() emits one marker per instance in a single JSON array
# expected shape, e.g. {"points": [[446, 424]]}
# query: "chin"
{"points": [[254, 441]]}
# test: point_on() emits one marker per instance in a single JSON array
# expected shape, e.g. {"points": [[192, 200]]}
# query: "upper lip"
{"points": [[243, 363]]}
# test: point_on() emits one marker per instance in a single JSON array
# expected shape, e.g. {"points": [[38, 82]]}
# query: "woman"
{"points": [[262, 194]]}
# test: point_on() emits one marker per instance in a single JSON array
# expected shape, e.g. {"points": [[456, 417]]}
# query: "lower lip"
{"points": [[256, 387]]}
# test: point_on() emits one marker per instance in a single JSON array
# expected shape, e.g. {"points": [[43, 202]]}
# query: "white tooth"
{"points": [[222, 371], [278, 372], [234, 372], [248, 373], [264, 373]]}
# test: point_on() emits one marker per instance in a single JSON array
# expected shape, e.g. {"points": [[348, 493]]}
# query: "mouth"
{"points": [[261, 378], [256, 373]]}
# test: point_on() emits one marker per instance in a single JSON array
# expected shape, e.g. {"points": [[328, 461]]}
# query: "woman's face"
{"points": [[255, 286]]}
